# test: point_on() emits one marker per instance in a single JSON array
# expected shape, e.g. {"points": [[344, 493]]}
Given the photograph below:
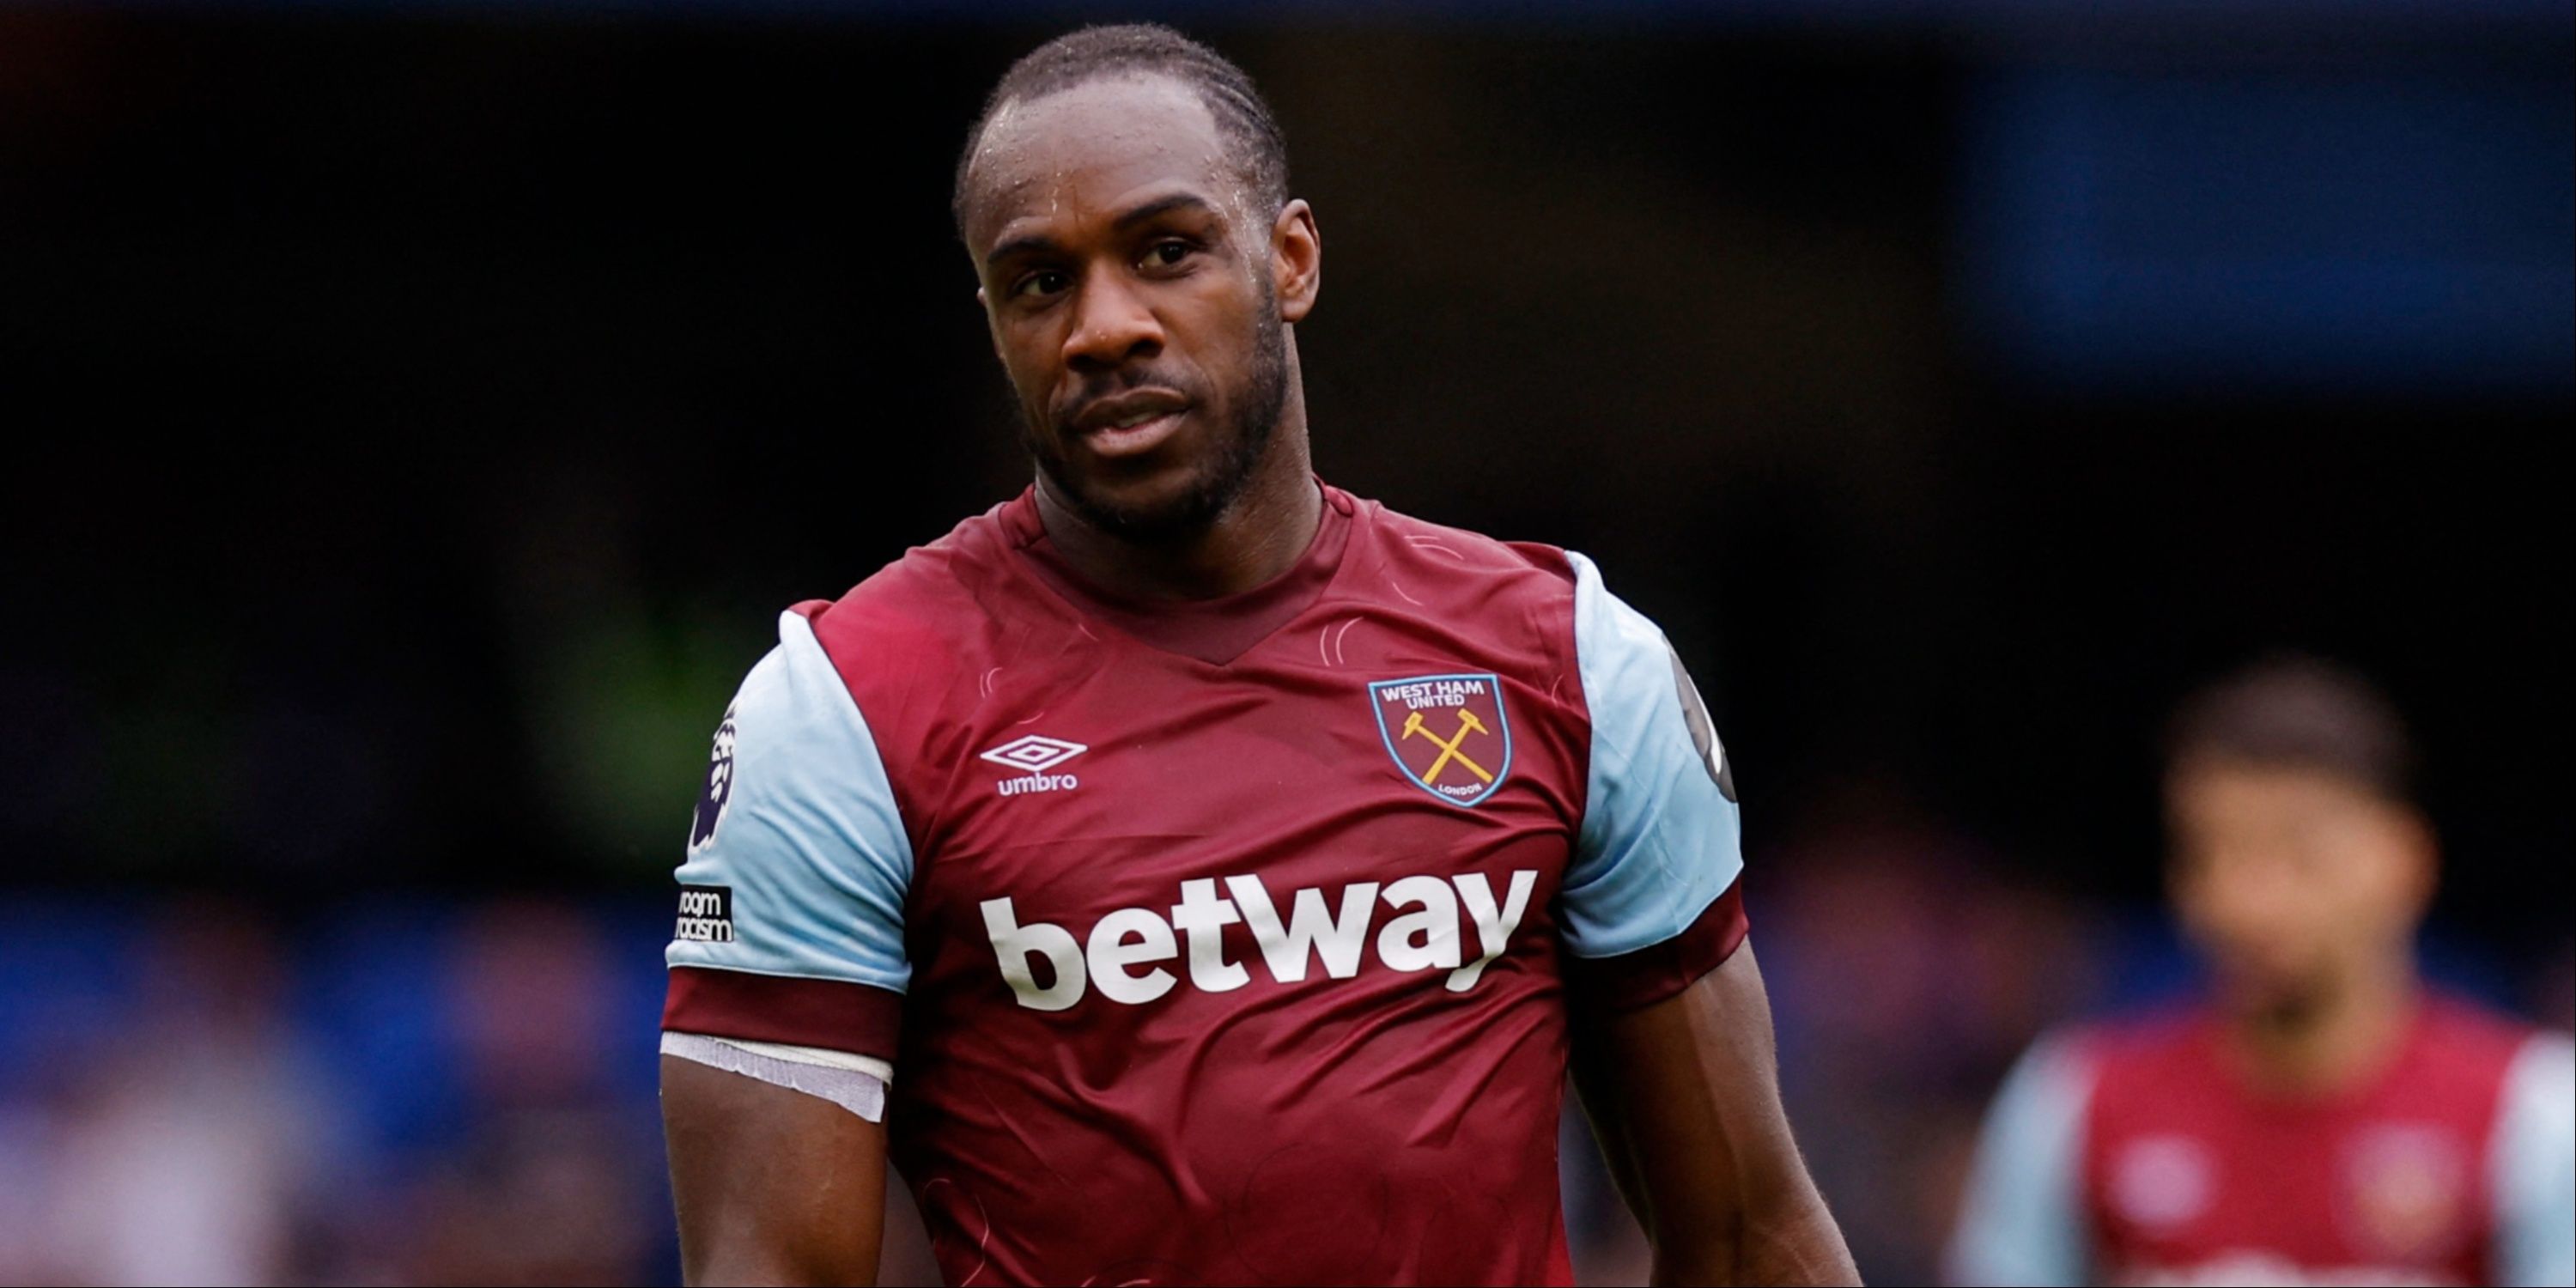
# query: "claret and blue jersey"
{"points": [[1220, 942], [2137, 1152]]}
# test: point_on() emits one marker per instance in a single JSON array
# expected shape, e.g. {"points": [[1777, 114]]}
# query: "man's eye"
{"points": [[1168, 253], [1046, 282]]}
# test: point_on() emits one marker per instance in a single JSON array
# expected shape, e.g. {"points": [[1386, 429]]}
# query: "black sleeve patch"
{"points": [[1712, 753], [706, 915]]}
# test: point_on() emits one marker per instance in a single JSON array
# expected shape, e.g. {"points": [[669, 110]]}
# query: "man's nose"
{"points": [[2254, 900], [1111, 325]]}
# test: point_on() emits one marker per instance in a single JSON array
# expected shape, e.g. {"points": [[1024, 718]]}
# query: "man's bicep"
{"points": [[1686, 1093], [1688, 1086], [772, 1185]]}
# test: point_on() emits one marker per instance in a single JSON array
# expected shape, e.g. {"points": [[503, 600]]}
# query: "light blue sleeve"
{"points": [[2534, 1157], [797, 827], [2021, 1220], [1660, 839]]}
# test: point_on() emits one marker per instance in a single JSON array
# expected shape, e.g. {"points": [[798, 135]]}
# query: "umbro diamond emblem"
{"points": [[1035, 755]]}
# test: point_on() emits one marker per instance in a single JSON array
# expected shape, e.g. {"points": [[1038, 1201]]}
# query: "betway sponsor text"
{"points": [[1426, 930]]}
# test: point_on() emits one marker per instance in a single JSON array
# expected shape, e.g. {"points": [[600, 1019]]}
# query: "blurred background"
{"points": [[423, 411]]}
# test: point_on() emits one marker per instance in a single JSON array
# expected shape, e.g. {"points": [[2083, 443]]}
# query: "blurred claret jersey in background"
{"points": [[2134, 1152]]}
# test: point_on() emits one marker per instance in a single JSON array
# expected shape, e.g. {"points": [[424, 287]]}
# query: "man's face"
{"points": [[1128, 280], [2291, 880]]}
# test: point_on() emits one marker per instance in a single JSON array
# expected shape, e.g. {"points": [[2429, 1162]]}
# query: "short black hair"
{"points": [[2297, 712], [1260, 150]]}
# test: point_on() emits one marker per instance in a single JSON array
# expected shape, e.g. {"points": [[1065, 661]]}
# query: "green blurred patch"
{"points": [[624, 715]]}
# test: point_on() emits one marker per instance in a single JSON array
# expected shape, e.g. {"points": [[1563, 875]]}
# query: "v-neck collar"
{"points": [[1214, 631]]}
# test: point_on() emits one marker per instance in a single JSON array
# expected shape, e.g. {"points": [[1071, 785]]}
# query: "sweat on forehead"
{"points": [[1105, 137], [1129, 122]]}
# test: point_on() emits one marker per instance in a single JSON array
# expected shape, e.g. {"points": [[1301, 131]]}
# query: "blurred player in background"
{"points": [[2323, 1117], [1189, 872]]}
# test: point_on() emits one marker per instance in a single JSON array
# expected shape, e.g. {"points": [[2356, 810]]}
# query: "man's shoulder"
{"points": [[922, 588], [2456, 1046], [2463, 1044], [2139, 1049], [1404, 540], [899, 638], [2463, 1024], [1517, 593]]}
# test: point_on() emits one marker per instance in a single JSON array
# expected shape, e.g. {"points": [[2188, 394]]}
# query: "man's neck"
{"points": [[2347, 1039], [1254, 540]]}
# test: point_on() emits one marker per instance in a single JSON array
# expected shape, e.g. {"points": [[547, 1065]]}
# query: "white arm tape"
{"points": [[854, 1082]]}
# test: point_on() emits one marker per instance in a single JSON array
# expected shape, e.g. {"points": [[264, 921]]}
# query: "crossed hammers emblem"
{"points": [[1467, 723]]}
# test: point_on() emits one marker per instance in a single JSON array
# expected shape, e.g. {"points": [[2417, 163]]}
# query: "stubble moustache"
{"points": [[1242, 440]]}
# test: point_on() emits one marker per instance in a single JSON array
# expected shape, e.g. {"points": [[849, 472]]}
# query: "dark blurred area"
{"points": [[425, 411]]}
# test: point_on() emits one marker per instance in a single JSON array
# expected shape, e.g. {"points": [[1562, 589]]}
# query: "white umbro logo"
{"points": [[1036, 755]]}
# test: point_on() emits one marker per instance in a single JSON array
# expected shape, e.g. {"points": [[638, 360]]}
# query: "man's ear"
{"points": [[2424, 858], [992, 327], [1296, 261]]}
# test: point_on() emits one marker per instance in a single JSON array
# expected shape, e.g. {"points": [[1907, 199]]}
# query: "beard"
{"points": [[2281, 1002], [1241, 439]]}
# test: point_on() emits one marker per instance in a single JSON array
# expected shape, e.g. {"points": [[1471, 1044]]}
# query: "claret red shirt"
{"points": [[2138, 1153], [1221, 942]]}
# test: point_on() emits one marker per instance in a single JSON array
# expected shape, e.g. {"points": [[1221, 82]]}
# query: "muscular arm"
{"points": [[773, 1186], [1685, 1097]]}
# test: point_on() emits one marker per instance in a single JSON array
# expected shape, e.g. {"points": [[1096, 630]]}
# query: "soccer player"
{"points": [[2323, 1118], [1188, 872]]}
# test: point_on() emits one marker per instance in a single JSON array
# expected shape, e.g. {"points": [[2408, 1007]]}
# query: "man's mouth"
{"points": [[1130, 424]]}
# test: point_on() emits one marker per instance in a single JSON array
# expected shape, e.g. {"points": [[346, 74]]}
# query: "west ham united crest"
{"points": [[1447, 733]]}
